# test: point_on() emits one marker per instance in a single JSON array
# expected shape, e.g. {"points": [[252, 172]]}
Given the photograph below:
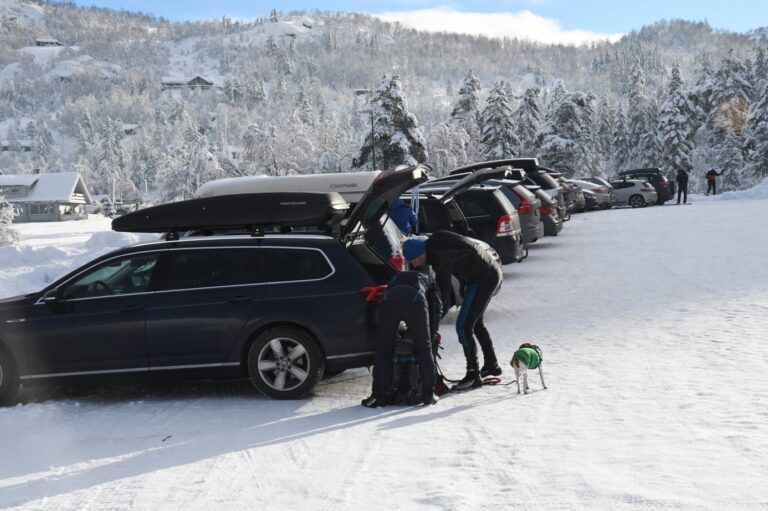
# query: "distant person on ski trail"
{"points": [[712, 181], [451, 254], [411, 297], [682, 185]]}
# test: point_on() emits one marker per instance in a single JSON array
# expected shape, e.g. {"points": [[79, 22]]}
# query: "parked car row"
{"points": [[249, 277]]}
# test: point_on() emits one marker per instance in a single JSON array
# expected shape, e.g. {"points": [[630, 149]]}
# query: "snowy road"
{"points": [[653, 327]]}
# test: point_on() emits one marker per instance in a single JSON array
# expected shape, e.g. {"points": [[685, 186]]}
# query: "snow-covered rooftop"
{"points": [[52, 187]]}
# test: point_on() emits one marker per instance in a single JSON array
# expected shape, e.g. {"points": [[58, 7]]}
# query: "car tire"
{"points": [[9, 379], [636, 201], [285, 363]]}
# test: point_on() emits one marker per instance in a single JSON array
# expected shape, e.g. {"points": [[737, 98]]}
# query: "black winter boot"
{"points": [[492, 369], [470, 381]]}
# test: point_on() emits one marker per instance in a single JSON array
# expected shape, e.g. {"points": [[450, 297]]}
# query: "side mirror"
{"points": [[54, 299], [51, 296]]}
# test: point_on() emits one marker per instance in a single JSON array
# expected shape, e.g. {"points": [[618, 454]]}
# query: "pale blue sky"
{"points": [[595, 16]]}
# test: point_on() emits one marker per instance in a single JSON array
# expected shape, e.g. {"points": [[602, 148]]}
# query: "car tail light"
{"points": [[372, 293], [525, 207], [398, 261], [645, 189], [546, 210], [599, 189], [664, 183], [504, 226]]}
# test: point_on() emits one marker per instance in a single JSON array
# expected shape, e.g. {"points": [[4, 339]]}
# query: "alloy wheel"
{"points": [[283, 364]]}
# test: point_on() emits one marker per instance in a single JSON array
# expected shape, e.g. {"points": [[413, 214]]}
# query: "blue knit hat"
{"points": [[413, 248]]}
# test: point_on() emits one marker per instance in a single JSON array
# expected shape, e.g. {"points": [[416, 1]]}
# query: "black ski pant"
{"points": [[682, 189], [470, 325], [712, 186], [416, 317]]}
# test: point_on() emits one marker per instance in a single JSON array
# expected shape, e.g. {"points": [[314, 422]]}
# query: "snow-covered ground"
{"points": [[652, 323]]}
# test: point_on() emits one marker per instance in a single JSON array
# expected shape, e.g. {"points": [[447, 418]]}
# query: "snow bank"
{"points": [[759, 191], [16, 256]]}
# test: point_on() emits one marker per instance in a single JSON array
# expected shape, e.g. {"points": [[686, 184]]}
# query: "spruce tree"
{"points": [[620, 141], [528, 120], [757, 137], [498, 131], [8, 235], [466, 112], [397, 138], [675, 126], [565, 140], [731, 95], [637, 116], [731, 163]]}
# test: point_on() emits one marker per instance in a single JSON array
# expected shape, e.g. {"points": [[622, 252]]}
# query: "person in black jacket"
{"points": [[411, 297], [682, 185], [451, 254]]}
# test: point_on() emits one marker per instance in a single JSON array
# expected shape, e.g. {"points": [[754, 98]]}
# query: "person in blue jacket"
{"points": [[403, 216]]}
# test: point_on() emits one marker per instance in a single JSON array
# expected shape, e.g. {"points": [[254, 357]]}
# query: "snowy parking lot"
{"points": [[652, 323]]}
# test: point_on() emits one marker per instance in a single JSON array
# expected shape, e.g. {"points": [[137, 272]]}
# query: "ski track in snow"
{"points": [[652, 323]]}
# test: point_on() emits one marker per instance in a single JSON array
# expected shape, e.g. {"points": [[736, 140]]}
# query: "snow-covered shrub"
{"points": [[8, 235]]}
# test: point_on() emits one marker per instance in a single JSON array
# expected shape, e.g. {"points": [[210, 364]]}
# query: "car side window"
{"points": [[119, 276], [471, 207], [214, 267], [286, 265]]}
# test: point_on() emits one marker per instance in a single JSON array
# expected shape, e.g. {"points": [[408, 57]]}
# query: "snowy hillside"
{"points": [[293, 93], [652, 325]]}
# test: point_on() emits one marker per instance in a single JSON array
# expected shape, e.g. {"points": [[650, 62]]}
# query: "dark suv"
{"points": [[489, 214], [262, 306], [656, 178]]}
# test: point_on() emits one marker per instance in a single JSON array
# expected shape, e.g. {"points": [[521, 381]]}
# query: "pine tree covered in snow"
{"points": [[674, 126], [606, 117], [528, 120], [499, 133], [620, 141], [398, 136], [757, 137], [565, 140], [637, 118], [731, 162], [8, 235], [449, 147], [467, 109], [731, 97]]}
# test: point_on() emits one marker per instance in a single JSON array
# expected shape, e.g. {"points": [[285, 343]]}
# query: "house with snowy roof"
{"points": [[176, 82], [47, 41], [46, 197]]}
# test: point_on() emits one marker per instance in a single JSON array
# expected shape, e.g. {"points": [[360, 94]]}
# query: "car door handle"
{"points": [[240, 299], [131, 308]]}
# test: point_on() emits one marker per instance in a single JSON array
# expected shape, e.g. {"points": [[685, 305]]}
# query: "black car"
{"points": [[280, 309], [489, 214], [654, 176]]}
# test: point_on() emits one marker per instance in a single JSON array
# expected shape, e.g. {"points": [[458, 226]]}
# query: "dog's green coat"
{"points": [[528, 356]]}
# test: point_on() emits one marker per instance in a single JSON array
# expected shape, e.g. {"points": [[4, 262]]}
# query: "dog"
{"points": [[527, 356]]}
